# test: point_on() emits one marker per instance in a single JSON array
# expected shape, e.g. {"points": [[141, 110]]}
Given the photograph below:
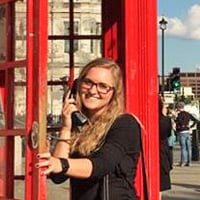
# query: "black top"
{"points": [[182, 121], [117, 157], [165, 128]]}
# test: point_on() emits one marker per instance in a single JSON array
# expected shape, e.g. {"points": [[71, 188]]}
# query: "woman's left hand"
{"points": [[49, 163]]}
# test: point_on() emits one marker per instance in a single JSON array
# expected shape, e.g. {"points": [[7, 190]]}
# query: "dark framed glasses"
{"points": [[103, 88]]}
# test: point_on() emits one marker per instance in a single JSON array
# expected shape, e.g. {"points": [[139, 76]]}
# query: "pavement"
{"points": [[185, 180], [185, 183]]}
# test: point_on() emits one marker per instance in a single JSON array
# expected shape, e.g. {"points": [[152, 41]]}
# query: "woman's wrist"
{"points": [[64, 165], [65, 129], [65, 133], [68, 141]]}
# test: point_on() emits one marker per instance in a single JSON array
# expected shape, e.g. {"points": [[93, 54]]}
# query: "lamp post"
{"points": [[163, 27]]}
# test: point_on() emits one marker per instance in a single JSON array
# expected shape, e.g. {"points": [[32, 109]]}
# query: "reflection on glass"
{"points": [[20, 98], [55, 103], [88, 14], [87, 50], [2, 115], [20, 30], [58, 11], [19, 165], [2, 162]]}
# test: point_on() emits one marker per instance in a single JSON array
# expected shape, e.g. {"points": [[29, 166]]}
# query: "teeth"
{"points": [[92, 97]]}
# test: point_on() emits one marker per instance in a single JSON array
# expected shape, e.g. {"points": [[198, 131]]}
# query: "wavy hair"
{"points": [[92, 134]]}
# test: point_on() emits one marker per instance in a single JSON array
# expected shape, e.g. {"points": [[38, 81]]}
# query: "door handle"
{"points": [[35, 134]]}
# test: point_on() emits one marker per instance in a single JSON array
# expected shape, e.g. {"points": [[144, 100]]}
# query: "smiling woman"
{"points": [[108, 145]]}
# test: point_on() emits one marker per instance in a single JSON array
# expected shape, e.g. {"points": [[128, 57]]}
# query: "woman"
{"points": [[165, 128], [108, 143]]}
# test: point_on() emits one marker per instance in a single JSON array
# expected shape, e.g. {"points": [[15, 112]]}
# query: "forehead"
{"points": [[100, 74]]}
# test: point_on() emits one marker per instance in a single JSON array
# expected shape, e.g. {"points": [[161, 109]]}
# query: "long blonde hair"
{"points": [[93, 133]]}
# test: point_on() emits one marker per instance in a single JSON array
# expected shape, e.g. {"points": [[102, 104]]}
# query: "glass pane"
{"points": [[20, 28], [54, 108], [55, 103], [88, 14], [20, 98], [2, 114], [2, 34], [56, 53], [2, 166], [58, 13], [19, 169], [87, 17], [87, 50]]}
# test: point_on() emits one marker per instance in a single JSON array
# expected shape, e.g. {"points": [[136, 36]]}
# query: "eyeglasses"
{"points": [[103, 88]]}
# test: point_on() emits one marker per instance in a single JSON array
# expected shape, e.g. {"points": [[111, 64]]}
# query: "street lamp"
{"points": [[163, 27]]}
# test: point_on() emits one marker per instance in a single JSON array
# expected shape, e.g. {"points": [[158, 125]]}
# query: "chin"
{"points": [[92, 108]]}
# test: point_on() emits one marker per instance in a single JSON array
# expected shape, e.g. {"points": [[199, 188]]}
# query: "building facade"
{"points": [[191, 79]]}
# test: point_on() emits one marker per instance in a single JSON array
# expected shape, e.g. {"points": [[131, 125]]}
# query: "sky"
{"points": [[182, 36]]}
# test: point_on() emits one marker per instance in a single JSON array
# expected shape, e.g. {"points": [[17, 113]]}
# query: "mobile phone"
{"points": [[78, 119]]}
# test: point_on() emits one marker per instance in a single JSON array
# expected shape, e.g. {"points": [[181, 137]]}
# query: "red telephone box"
{"points": [[125, 30]]}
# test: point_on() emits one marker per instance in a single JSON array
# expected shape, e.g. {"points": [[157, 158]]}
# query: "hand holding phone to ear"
{"points": [[78, 119]]}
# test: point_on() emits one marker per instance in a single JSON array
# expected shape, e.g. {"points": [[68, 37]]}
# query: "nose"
{"points": [[93, 88]]}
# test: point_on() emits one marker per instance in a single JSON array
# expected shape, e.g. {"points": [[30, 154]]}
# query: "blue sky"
{"points": [[182, 36]]}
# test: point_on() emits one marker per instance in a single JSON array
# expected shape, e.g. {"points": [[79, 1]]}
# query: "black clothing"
{"points": [[182, 121], [165, 127], [117, 157]]}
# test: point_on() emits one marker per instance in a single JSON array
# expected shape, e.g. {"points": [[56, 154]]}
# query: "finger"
{"points": [[44, 155], [42, 164], [47, 171], [67, 96], [67, 104]]}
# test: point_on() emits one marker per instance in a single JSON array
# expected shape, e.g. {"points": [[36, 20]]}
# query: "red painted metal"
{"points": [[9, 103], [129, 37], [133, 44], [71, 33], [37, 15], [29, 98], [6, 1], [12, 64], [141, 79], [110, 27], [12, 132], [2, 141]]}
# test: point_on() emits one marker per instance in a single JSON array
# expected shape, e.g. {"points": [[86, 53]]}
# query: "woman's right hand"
{"points": [[48, 163], [69, 106]]}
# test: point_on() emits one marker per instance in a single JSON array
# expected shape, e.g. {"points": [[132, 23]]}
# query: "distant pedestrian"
{"points": [[165, 128], [183, 127], [172, 137]]}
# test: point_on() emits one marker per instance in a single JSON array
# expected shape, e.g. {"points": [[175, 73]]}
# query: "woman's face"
{"points": [[96, 90], [164, 109]]}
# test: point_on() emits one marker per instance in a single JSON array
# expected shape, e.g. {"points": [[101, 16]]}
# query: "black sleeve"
{"points": [[58, 178], [122, 139], [195, 121], [170, 127]]}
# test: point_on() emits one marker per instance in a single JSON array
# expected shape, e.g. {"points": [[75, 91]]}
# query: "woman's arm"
{"points": [[62, 146], [77, 167]]}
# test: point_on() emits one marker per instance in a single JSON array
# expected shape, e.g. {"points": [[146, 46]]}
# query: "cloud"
{"points": [[193, 21], [187, 27]]}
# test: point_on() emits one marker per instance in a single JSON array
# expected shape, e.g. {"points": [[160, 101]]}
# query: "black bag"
{"points": [[106, 187]]}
